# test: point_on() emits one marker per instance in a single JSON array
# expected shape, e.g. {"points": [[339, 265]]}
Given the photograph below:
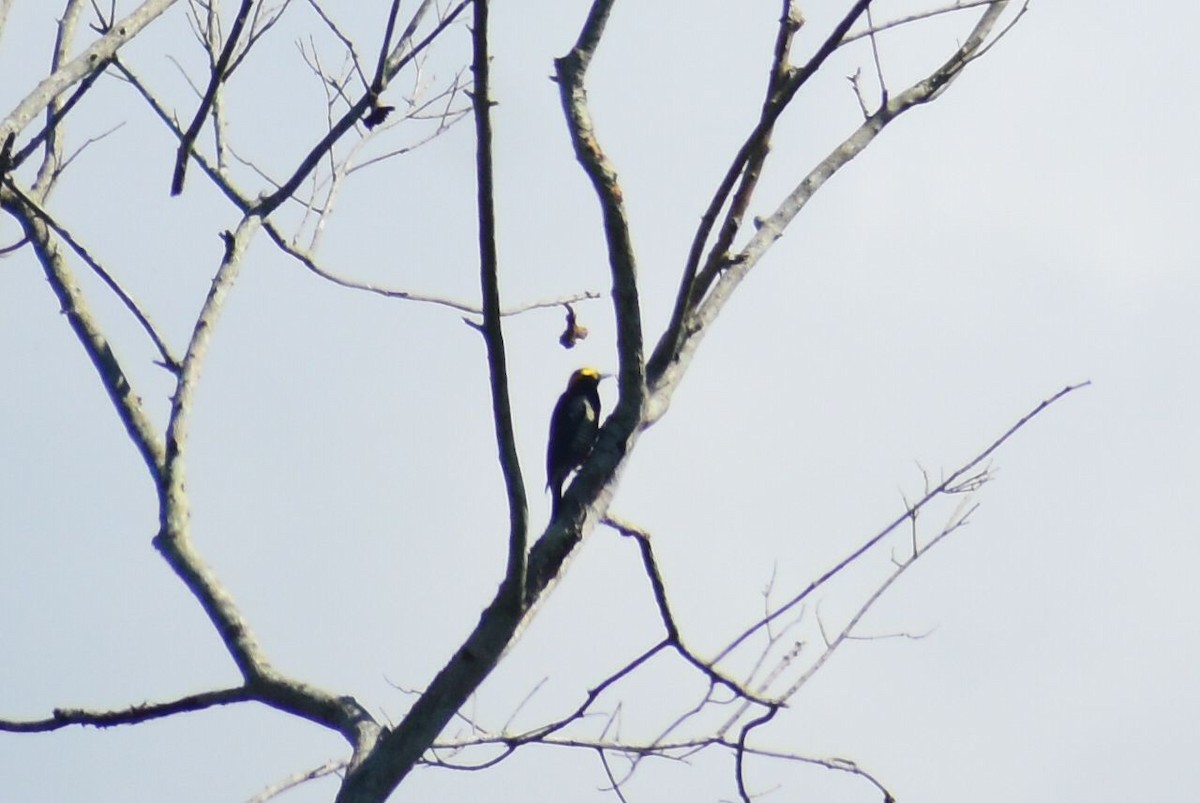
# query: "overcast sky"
{"points": [[1026, 231]]}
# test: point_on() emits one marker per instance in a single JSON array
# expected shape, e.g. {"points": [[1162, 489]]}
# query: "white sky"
{"points": [[1027, 231]]}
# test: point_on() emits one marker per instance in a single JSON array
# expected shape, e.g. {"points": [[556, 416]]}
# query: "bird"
{"points": [[574, 425]]}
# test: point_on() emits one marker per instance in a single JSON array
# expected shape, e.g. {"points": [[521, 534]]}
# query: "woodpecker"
{"points": [[573, 428]]}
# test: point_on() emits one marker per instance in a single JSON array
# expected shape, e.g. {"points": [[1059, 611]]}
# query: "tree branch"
{"points": [[64, 717], [781, 90], [292, 781], [493, 333], [948, 485], [570, 71], [91, 59], [243, 202], [173, 539], [216, 77], [674, 350], [169, 360], [306, 259], [872, 29], [125, 400], [353, 115], [659, 588], [340, 713]]}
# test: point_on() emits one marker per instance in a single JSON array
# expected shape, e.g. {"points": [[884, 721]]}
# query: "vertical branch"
{"points": [[173, 539], [52, 158], [5, 5], [493, 334], [377, 82], [883, 90], [219, 72], [789, 23], [404, 49], [570, 71]]}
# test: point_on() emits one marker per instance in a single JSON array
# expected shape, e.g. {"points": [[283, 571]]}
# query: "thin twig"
{"points": [[871, 29], [169, 360], [345, 40], [218, 75], [292, 781], [780, 96], [940, 489]]}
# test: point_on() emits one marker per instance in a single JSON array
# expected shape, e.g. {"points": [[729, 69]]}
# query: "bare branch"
{"points": [[377, 82], [675, 348], [782, 88], [52, 158], [86, 63], [614, 785], [740, 752], [348, 120], [169, 360], [873, 29], [292, 781], [304, 258], [345, 40], [173, 540], [664, 610], [64, 717], [6, 250], [87, 143], [113, 377], [48, 134], [966, 470], [883, 90], [262, 22], [340, 713], [243, 202], [493, 334], [220, 72], [5, 5], [675, 750], [570, 71]]}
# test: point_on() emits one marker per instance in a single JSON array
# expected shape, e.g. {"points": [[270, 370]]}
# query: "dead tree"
{"points": [[365, 116]]}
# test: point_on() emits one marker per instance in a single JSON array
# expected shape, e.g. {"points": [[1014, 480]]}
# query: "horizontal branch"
{"points": [[306, 259], [667, 750], [144, 712], [960, 5]]}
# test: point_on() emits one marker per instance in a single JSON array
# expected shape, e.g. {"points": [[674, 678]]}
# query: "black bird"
{"points": [[573, 428]]}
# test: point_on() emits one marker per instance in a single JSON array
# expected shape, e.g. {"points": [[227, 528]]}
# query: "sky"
{"points": [[1025, 232]]}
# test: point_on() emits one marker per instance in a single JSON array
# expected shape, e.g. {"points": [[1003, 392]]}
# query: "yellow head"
{"points": [[585, 375]]}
